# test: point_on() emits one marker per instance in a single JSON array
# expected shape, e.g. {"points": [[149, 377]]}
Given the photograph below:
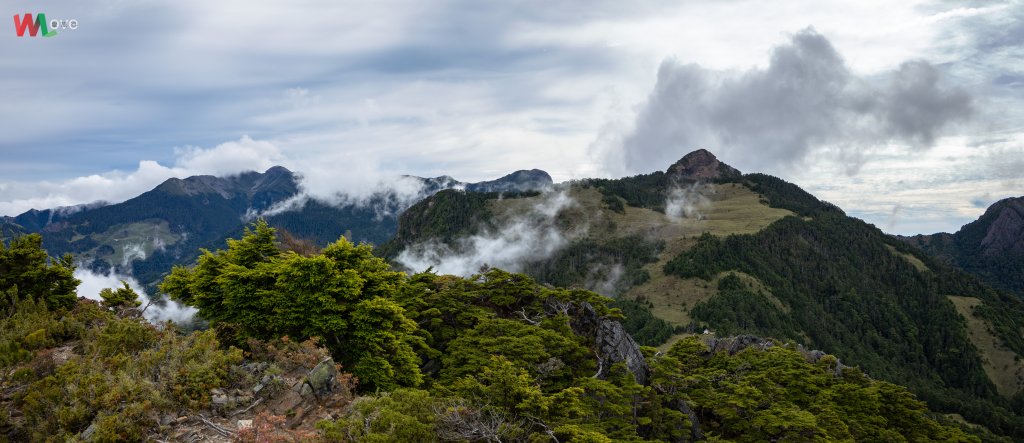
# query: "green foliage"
{"points": [[447, 307], [782, 194], [24, 331], [27, 271], [642, 191], [578, 263], [504, 358], [402, 415], [544, 350], [443, 217], [777, 395], [120, 298], [643, 326], [613, 203], [851, 295], [987, 248], [613, 266], [342, 295], [122, 373], [738, 310]]}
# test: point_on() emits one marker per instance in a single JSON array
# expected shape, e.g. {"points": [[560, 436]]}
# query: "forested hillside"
{"points": [[758, 255], [493, 357], [990, 248], [145, 236]]}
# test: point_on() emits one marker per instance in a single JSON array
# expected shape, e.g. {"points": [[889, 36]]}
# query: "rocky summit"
{"points": [[701, 165]]}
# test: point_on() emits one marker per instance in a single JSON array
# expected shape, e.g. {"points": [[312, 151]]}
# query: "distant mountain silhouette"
{"points": [[991, 247], [146, 235]]}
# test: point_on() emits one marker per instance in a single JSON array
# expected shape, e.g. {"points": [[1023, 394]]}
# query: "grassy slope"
{"points": [[732, 209], [123, 238], [1001, 365], [914, 261]]}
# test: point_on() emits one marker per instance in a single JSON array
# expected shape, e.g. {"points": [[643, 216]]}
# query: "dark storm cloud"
{"points": [[806, 99]]}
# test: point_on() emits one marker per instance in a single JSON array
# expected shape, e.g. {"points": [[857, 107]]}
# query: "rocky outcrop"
{"points": [[1005, 234], [701, 165], [322, 379], [733, 345], [612, 344], [736, 344]]}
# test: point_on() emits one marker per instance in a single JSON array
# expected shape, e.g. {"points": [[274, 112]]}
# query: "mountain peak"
{"points": [[701, 165], [278, 170], [1005, 230], [518, 181]]}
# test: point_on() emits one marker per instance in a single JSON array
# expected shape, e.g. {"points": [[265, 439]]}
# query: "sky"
{"points": [[905, 114]]}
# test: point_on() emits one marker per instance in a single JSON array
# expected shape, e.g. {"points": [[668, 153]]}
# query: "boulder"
{"points": [[323, 377]]}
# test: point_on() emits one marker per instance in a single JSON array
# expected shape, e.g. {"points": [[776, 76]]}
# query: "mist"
{"points": [[157, 311], [530, 236], [688, 201], [385, 195]]}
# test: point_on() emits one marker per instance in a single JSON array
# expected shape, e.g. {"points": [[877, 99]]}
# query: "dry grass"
{"points": [[139, 235], [1001, 365], [674, 297], [914, 261], [731, 209]]}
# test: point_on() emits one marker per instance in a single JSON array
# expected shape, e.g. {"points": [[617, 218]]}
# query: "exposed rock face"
{"points": [[701, 165], [1006, 233], [611, 341]]}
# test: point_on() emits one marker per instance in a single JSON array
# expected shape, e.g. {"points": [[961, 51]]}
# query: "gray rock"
{"points": [[733, 345], [88, 432], [286, 402], [611, 341], [322, 378], [684, 407]]}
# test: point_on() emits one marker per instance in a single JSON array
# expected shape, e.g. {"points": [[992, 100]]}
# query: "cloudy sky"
{"points": [[906, 114]]}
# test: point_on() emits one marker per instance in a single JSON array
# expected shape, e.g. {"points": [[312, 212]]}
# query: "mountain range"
{"points": [[703, 247], [697, 248], [146, 235]]}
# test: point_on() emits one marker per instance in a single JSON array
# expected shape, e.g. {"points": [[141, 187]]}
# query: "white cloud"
{"points": [[156, 312], [350, 90], [227, 158], [530, 236], [806, 99], [688, 201], [922, 192]]}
